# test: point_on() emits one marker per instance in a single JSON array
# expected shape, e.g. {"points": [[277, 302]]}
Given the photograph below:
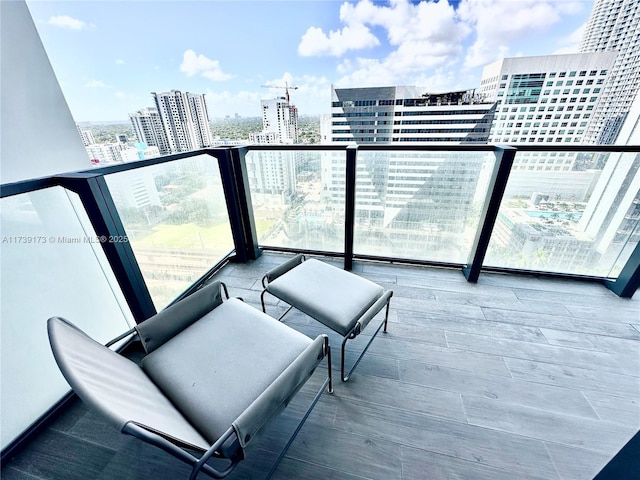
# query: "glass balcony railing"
{"points": [[176, 220], [570, 212], [298, 198], [110, 246], [420, 205], [52, 264]]}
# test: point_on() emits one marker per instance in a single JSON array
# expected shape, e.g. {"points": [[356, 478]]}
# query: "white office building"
{"points": [[410, 199], [408, 114], [185, 120], [545, 99], [101, 153], [614, 26]]}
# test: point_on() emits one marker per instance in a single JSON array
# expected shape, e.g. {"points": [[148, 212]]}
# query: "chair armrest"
{"points": [[163, 326], [374, 309], [276, 272], [278, 395]]}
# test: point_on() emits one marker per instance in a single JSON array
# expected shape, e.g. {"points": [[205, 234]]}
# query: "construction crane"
{"points": [[286, 89]]}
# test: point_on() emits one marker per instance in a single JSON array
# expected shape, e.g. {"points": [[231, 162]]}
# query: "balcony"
{"points": [[513, 346]]}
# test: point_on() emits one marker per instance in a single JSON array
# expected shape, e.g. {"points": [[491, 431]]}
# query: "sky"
{"points": [[109, 56]]}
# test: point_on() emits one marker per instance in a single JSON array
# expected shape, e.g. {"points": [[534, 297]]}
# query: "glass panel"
{"points": [[574, 213], [298, 198], [51, 265], [176, 220], [420, 205], [627, 247]]}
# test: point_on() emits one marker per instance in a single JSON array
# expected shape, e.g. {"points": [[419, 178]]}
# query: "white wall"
{"points": [[49, 265], [38, 136]]}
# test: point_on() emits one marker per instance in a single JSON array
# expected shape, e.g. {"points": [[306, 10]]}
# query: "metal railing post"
{"points": [[238, 158], [105, 219], [495, 192], [233, 171], [629, 279], [349, 205]]}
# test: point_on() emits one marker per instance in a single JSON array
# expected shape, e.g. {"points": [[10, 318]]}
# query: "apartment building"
{"points": [[614, 26], [185, 120], [149, 129]]}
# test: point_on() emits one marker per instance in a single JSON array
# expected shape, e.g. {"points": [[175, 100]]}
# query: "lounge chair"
{"points": [[214, 374]]}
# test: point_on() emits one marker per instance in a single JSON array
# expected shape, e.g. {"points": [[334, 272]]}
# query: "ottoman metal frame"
{"points": [[340, 300]]}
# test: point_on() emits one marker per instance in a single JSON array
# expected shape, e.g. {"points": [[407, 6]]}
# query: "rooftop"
{"points": [[516, 376]]}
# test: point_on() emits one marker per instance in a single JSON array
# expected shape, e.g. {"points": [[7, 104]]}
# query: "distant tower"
{"points": [[148, 128], [614, 25], [279, 119], [185, 120], [279, 122], [86, 136], [273, 172]]}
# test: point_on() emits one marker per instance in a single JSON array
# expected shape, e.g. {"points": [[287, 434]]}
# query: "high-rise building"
{"points": [[403, 198], [272, 174], [551, 100], [148, 128], [545, 99], [614, 26], [185, 120], [86, 136], [408, 114], [612, 215], [279, 122]]}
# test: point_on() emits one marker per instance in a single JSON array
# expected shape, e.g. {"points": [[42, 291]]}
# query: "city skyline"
{"points": [[442, 45]]}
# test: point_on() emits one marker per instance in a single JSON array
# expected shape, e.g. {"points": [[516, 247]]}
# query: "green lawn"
{"points": [[188, 235], [191, 235]]}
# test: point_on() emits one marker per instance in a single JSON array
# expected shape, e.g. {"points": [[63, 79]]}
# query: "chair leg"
{"points": [[301, 423], [386, 315], [264, 307], [352, 335]]}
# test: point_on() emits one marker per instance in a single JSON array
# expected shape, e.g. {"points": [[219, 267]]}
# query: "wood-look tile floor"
{"points": [[515, 377]]}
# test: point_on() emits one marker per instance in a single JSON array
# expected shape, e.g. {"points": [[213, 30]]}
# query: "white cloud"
{"points": [[96, 84], [193, 64], [64, 21], [434, 36], [312, 96], [424, 36], [352, 37], [499, 23], [571, 43], [407, 22], [365, 72], [223, 103], [119, 61]]}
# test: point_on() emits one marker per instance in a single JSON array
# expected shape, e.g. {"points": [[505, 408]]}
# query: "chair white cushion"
{"points": [[334, 297], [215, 368]]}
